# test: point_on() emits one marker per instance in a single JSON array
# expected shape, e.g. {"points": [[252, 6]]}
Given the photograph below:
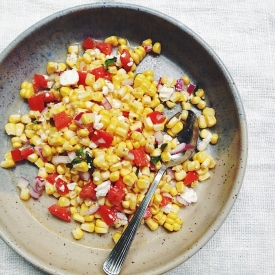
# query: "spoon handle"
{"points": [[114, 262]]}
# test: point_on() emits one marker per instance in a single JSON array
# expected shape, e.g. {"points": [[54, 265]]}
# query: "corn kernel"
{"points": [[153, 225], [25, 194], [78, 217], [64, 201], [77, 233], [156, 48], [88, 227]]}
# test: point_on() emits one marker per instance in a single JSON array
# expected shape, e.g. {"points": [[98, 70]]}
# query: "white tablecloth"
{"points": [[243, 34]]}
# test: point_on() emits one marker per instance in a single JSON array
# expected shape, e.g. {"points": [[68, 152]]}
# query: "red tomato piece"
{"points": [[105, 48], [125, 59], [125, 113], [26, 152], [36, 103], [39, 82], [88, 191], [61, 187], [16, 155], [115, 195], [89, 43], [120, 184], [102, 139], [140, 157], [60, 212], [100, 72], [147, 213], [191, 176], [82, 78], [52, 177], [165, 200], [48, 96], [62, 120], [157, 117], [107, 214]]}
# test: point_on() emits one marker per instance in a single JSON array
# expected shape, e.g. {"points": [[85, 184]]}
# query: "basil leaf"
{"points": [[163, 146], [89, 161], [109, 62], [80, 152], [155, 160]]}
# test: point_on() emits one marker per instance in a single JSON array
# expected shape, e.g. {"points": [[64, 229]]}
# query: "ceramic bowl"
{"points": [[46, 242]]}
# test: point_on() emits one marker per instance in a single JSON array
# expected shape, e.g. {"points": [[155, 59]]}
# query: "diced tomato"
{"points": [[125, 59], [52, 177], [100, 72], [62, 120], [16, 155], [89, 43], [102, 139], [105, 48], [165, 200], [157, 117], [191, 176], [61, 187], [117, 208], [82, 78], [120, 184], [115, 195], [107, 214], [60, 212], [147, 213], [191, 88], [125, 113], [39, 82], [48, 96], [140, 157], [26, 152], [36, 103], [88, 191]]}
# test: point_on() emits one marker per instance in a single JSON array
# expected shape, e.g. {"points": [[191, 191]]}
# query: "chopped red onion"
{"points": [[168, 195], [34, 194], [85, 176], [182, 201], [148, 48], [191, 87], [170, 173], [180, 148], [128, 81], [106, 104], [61, 159], [91, 210], [179, 85], [23, 183], [159, 137], [71, 154]]}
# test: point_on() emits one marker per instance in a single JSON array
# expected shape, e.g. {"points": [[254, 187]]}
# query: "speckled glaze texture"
{"points": [[27, 226]]}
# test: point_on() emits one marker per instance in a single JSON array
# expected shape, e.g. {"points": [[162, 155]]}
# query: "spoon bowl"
{"points": [[114, 262]]}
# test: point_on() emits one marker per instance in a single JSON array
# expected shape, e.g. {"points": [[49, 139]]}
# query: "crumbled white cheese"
{"points": [[69, 77], [165, 93], [189, 195], [110, 86], [105, 90], [116, 103], [103, 188], [97, 124], [72, 58], [166, 138], [202, 145], [71, 186]]}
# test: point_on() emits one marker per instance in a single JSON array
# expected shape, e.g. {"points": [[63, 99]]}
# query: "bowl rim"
{"points": [[210, 232]]}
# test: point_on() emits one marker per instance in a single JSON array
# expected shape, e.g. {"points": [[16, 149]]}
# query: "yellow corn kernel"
{"points": [[186, 106], [64, 201], [153, 225], [200, 93], [156, 48], [99, 83], [214, 139], [60, 169], [116, 237], [39, 163], [14, 129], [143, 183], [114, 176], [201, 105], [9, 163], [172, 122], [140, 197], [202, 121], [173, 191], [81, 167], [175, 97], [180, 186], [78, 217], [16, 142], [157, 199], [165, 188], [88, 118], [175, 209], [177, 128], [33, 157], [15, 118], [42, 172], [77, 233], [200, 156], [49, 188], [46, 150], [176, 227], [83, 133], [25, 194], [126, 204], [147, 42], [88, 227], [112, 125], [165, 156], [160, 218], [208, 111], [55, 140], [204, 177], [130, 179], [210, 120]]}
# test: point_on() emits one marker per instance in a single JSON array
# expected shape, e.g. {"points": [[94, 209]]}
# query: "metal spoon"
{"points": [[114, 262]]}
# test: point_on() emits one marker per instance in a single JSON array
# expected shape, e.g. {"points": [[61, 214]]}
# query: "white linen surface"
{"points": [[242, 33]]}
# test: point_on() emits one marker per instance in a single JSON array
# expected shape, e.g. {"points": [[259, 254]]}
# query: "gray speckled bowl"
{"points": [[47, 242]]}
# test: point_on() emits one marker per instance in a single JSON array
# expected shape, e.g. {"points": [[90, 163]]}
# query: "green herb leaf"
{"points": [[36, 122], [80, 152], [89, 161], [155, 160], [75, 161], [163, 146], [109, 62]]}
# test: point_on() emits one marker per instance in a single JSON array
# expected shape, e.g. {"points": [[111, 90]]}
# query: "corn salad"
{"points": [[95, 133]]}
